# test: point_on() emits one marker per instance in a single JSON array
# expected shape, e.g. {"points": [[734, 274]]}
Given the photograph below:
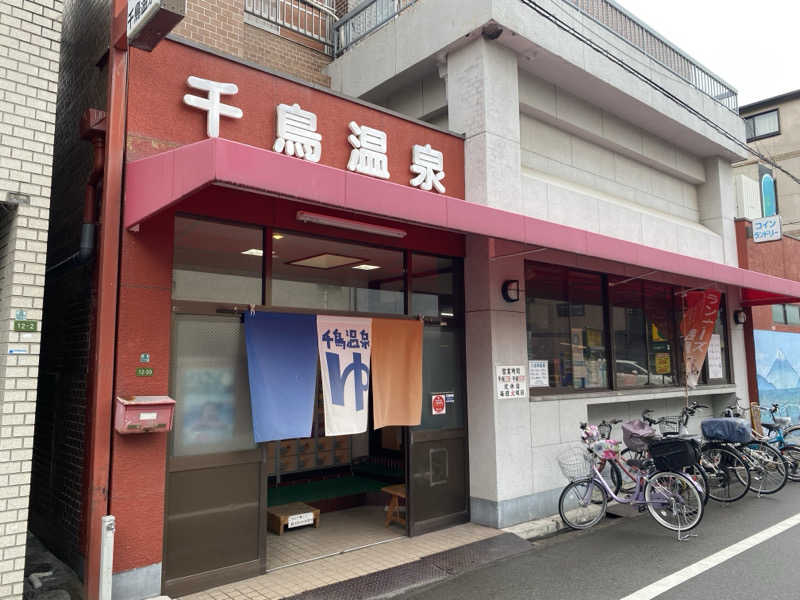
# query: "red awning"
{"points": [[154, 184]]}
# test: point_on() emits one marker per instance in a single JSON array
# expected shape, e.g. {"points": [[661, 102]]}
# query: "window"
{"points": [[778, 314], [763, 125], [317, 273], [786, 314], [718, 372], [572, 316], [216, 262], [435, 284], [566, 325]]}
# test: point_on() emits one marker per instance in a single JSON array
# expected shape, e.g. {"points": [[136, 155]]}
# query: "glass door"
{"points": [[437, 448], [216, 485]]}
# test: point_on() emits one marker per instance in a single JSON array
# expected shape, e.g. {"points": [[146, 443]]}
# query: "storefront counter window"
{"points": [[566, 326], [594, 331]]}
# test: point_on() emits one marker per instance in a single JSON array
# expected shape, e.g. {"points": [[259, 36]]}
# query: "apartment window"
{"points": [[786, 314], [762, 125], [593, 331]]}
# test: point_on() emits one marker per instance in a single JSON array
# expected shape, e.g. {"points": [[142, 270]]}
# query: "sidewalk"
{"points": [[382, 570]]}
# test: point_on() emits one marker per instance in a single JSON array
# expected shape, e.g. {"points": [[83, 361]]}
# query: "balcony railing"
{"points": [[371, 14], [617, 20], [364, 19], [312, 18]]}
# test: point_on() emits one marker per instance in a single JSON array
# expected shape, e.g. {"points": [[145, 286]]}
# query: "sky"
{"points": [[751, 45]]}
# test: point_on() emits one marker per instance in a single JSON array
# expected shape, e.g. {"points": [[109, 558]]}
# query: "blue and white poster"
{"points": [[778, 370], [344, 354], [282, 365]]}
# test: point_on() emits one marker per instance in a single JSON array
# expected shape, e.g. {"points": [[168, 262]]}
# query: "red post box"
{"points": [[142, 414]]}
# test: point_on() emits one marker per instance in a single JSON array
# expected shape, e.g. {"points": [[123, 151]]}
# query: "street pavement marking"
{"points": [[670, 581]]}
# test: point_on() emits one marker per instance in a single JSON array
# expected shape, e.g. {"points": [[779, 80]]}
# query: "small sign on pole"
{"points": [[767, 229]]}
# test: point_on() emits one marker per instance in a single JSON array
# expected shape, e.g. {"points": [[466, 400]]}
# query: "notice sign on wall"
{"points": [[511, 382], [538, 373], [438, 404], [715, 357]]}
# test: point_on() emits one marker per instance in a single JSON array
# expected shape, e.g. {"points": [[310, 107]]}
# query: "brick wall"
{"points": [[57, 483], [219, 24], [30, 31]]}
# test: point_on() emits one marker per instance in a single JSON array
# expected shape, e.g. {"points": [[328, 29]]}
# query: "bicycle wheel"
{"points": [[728, 475], [792, 435], [768, 470], [697, 474], [673, 501], [576, 507], [792, 455]]}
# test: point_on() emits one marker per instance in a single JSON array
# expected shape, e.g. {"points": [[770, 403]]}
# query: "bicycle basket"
{"points": [[636, 435], [670, 425], [672, 454], [576, 463], [725, 429]]}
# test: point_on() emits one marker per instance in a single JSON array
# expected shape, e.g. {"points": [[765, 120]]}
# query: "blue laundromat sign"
{"points": [[769, 203]]}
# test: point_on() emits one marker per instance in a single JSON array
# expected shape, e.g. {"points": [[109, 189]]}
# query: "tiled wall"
{"points": [[30, 31]]}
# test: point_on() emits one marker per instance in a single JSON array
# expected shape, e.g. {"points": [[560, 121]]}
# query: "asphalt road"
{"points": [[620, 557]]}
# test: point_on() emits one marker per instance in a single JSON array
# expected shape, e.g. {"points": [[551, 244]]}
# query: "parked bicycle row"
{"points": [[672, 474]]}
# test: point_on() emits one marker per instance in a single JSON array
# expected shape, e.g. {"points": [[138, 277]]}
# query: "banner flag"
{"points": [[697, 325], [396, 372], [282, 366], [345, 345]]}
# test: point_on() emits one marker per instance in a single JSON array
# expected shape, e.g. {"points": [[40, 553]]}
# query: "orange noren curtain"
{"points": [[396, 372]]}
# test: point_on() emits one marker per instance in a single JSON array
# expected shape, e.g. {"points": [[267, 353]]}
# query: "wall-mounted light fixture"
{"points": [[510, 290], [739, 317]]}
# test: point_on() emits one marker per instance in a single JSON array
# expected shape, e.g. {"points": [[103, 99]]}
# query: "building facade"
{"points": [[574, 124], [768, 185], [30, 35], [498, 230]]}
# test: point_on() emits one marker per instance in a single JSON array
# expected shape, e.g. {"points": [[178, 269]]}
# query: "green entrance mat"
{"points": [[322, 490]]}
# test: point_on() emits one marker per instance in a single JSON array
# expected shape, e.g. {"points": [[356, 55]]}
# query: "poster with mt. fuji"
{"points": [[778, 370]]}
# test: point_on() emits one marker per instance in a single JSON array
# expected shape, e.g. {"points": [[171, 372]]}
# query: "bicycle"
{"points": [[637, 441], [775, 437], [672, 499], [768, 469]]}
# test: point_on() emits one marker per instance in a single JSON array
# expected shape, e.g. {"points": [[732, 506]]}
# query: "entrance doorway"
{"points": [[230, 501]]}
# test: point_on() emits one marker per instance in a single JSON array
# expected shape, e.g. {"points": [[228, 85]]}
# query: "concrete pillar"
{"points": [[499, 429], [483, 103], [716, 200]]}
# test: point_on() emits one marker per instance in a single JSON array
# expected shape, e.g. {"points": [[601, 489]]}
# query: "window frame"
{"points": [[752, 118]]}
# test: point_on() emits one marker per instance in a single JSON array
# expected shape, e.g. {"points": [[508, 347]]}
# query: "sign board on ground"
{"points": [[300, 520]]}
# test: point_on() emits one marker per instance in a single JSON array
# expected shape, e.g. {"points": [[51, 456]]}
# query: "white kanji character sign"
{"points": [[297, 133], [428, 164], [368, 155], [212, 104]]}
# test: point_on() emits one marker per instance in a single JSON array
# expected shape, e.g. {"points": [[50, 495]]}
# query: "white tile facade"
{"points": [[30, 33]]}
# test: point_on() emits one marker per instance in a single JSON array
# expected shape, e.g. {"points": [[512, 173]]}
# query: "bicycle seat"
{"points": [[770, 426]]}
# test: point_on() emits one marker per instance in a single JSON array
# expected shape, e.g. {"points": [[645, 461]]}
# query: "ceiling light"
{"points": [[254, 252], [308, 217], [277, 236], [446, 314], [326, 261], [366, 267]]}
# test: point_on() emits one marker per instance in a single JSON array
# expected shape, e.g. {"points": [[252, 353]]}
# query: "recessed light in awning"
{"points": [[326, 261]]}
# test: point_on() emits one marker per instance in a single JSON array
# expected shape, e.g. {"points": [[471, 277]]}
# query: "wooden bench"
{"points": [[393, 513], [278, 516]]}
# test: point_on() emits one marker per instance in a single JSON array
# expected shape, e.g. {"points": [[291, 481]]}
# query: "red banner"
{"points": [[697, 325]]}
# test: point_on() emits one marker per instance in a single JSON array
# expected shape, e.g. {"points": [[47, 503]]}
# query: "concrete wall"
{"points": [[30, 34]]}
